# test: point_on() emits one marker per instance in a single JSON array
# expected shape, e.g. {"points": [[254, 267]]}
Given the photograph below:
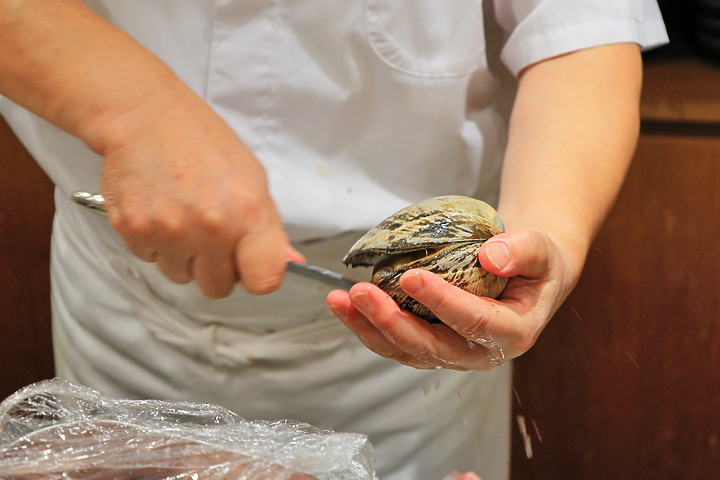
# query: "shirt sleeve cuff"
{"points": [[533, 48]]}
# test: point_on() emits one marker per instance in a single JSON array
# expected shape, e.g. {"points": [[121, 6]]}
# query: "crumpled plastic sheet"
{"points": [[57, 430]]}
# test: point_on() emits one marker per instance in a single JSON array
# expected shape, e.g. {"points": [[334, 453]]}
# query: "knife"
{"points": [[96, 203]]}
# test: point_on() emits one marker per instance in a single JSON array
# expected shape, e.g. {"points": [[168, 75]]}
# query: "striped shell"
{"points": [[442, 235]]}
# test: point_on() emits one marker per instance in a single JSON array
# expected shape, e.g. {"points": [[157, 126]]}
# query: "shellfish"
{"points": [[442, 235]]}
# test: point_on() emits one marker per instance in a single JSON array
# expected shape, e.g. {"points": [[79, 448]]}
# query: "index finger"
{"points": [[423, 343]]}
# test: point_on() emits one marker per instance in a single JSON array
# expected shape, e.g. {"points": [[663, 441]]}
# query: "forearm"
{"points": [[68, 65], [573, 132], [181, 188]]}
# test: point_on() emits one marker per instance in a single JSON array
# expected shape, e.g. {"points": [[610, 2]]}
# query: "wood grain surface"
{"points": [[26, 209]]}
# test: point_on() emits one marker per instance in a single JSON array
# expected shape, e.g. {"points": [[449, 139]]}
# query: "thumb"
{"points": [[294, 255], [522, 252]]}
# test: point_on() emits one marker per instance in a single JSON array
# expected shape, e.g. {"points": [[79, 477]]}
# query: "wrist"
{"points": [[130, 116]]}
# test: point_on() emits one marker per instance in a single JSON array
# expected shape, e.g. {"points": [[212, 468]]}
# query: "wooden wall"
{"points": [[625, 381], [25, 222]]}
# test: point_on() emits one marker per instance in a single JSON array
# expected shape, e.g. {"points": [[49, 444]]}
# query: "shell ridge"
{"points": [[451, 229]]}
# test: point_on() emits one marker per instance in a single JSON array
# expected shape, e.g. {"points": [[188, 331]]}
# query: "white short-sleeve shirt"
{"points": [[358, 108]]}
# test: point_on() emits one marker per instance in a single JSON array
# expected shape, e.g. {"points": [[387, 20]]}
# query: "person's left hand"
{"points": [[476, 333]]}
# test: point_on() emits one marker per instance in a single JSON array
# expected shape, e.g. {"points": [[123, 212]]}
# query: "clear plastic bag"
{"points": [[57, 430]]}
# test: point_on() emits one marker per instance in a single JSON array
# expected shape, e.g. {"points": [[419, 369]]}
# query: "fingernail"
{"points": [[294, 255], [498, 253], [362, 301], [338, 311], [412, 282]]}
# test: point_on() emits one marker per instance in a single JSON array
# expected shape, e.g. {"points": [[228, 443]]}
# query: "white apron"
{"points": [[356, 109], [272, 357]]}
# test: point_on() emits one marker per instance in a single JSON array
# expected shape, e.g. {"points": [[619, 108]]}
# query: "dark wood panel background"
{"points": [[625, 381], [26, 208]]}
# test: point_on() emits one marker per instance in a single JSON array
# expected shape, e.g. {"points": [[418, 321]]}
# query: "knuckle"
{"points": [[433, 300], [171, 224], [212, 220], [401, 358], [248, 203], [523, 343], [474, 328], [426, 354], [132, 225]]}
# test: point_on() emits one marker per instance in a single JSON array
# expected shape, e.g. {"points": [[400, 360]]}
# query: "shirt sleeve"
{"points": [[541, 29]]}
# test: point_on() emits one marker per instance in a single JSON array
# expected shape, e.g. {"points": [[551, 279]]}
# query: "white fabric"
{"points": [[356, 109], [547, 28], [135, 344]]}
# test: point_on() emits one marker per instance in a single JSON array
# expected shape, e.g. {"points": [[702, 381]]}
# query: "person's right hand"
{"points": [[181, 187], [185, 192]]}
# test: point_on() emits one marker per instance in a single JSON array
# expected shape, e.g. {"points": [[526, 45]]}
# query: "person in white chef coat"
{"points": [[230, 136]]}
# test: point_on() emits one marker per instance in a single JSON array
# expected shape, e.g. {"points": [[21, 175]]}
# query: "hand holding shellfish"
{"points": [[475, 332], [442, 235]]}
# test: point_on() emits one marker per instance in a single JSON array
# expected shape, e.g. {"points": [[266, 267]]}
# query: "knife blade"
{"points": [[96, 203], [328, 277]]}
